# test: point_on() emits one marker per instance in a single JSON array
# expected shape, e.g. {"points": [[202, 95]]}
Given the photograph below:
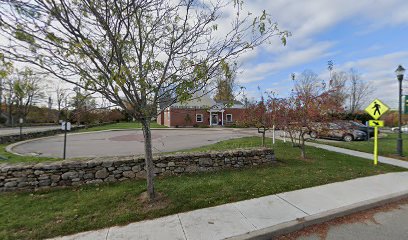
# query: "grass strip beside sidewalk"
{"points": [[387, 145]]}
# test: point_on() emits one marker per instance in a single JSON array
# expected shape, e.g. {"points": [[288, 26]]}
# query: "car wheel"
{"points": [[313, 135], [348, 138]]}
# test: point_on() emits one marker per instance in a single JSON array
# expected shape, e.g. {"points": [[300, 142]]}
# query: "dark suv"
{"points": [[362, 127], [337, 130]]}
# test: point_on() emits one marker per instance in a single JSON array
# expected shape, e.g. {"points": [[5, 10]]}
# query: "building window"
{"points": [[199, 117], [229, 117]]}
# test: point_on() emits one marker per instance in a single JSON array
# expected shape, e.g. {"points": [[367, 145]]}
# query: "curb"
{"points": [[9, 148], [295, 225]]}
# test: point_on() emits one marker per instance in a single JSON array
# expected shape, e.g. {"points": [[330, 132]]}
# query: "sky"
{"points": [[368, 35]]}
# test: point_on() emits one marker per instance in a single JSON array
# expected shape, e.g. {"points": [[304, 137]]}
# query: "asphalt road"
{"points": [[16, 130], [389, 222], [129, 142]]}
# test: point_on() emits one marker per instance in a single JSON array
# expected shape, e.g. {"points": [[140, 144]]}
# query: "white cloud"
{"points": [[285, 60], [307, 19], [379, 71]]}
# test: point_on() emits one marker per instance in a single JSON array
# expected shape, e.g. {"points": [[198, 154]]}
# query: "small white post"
{"points": [[284, 136], [273, 134]]}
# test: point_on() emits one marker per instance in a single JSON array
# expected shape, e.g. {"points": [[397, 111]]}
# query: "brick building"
{"points": [[202, 111]]}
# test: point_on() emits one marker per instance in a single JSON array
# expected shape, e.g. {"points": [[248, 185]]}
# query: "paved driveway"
{"points": [[129, 142], [16, 130]]}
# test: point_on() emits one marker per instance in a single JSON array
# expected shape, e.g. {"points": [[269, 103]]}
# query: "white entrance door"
{"points": [[214, 119]]}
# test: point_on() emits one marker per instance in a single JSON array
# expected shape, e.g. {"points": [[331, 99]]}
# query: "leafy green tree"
{"points": [[133, 51], [83, 103], [225, 83], [6, 68], [27, 91]]}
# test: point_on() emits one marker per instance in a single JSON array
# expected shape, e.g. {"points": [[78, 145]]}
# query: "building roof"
{"points": [[229, 104], [198, 100], [235, 102]]}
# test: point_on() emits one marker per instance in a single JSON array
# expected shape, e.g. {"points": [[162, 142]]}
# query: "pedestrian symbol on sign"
{"points": [[376, 109]]}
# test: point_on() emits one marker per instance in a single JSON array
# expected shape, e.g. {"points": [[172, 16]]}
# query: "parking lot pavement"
{"points": [[129, 142]]}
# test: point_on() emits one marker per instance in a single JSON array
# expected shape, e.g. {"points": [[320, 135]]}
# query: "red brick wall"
{"points": [[160, 118], [178, 117], [237, 115]]}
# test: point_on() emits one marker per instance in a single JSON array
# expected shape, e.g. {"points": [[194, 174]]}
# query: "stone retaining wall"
{"points": [[71, 173]]}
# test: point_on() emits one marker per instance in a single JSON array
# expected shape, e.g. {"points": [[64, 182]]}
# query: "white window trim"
{"points": [[201, 117], [226, 117]]}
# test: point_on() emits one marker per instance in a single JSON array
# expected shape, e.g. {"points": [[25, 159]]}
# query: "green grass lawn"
{"points": [[65, 211], [12, 158], [121, 125], [387, 145]]}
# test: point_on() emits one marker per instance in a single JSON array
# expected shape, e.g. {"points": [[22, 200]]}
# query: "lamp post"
{"points": [[400, 76]]}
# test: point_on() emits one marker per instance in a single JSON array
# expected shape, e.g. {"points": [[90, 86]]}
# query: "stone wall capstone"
{"points": [[112, 169]]}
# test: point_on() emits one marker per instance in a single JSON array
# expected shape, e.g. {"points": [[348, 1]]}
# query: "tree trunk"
{"points": [[148, 158], [263, 138], [302, 146]]}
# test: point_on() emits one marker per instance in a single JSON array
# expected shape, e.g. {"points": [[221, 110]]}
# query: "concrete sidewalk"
{"points": [[264, 217]]}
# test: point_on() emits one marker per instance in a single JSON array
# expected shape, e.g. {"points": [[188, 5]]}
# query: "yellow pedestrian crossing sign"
{"points": [[376, 123], [376, 109]]}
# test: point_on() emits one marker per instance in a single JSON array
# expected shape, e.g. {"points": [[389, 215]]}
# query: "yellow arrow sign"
{"points": [[376, 123], [376, 109]]}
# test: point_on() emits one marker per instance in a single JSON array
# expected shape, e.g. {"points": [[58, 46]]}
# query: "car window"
{"points": [[344, 124], [334, 126], [358, 124]]}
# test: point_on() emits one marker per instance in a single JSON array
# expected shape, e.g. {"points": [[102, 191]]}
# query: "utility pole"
{"points": [[400, 76], [49, 107], [1, 96]]}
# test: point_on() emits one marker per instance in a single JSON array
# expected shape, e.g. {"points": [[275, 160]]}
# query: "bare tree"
{"points": [[61, 96], [358, 91], [307, 83], [338, 85], [132, 51]]}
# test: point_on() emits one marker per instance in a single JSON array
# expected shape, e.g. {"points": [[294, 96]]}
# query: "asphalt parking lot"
{"points": [[126, 142]]}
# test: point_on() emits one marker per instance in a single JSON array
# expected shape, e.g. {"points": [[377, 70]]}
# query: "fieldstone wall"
{"points": [[97, 170]]}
